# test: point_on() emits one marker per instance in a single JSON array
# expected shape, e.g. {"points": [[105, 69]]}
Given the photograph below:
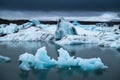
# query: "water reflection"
{"points": [[62, 74], [14, 49], [24, 75]]}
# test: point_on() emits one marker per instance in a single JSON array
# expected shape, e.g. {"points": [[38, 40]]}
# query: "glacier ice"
{"points": [[65, 60], [36, 23], [75, 23], [7, 29], [27, 60], [42, 61], [4, 59], [91, 64], [62, 33], [29, 34], [64, 28]]}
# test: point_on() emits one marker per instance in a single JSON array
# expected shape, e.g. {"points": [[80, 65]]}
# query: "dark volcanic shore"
{"points": [[19, 22]]}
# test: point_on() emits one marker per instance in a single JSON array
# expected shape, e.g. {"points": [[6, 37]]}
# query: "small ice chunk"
{"points": [[36, 23], [27, 61], [4, 59], [26, 57], [25, 66]]}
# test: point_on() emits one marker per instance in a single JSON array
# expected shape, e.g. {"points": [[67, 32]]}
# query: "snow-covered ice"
{"points": [[29, 34], [62, 33], [7, 29]]}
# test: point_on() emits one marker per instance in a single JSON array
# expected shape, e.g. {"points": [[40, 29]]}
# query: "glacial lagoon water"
{"points": [[11, 71]]}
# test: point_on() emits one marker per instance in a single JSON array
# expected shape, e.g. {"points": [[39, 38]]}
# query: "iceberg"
{"points": [[42, 60], [27, 60], [7, 29], [4, 59], [36, 23], [64, 28], [64, 60]]}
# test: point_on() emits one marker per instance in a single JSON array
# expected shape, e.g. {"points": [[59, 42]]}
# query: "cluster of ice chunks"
{"points": [[42, 61], [7, 29], [35, 23]]}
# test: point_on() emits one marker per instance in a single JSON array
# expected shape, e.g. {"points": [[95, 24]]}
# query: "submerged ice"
{"points": [[4, 59], [42, 61]]}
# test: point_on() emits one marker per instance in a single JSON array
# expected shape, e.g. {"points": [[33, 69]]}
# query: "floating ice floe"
{"points": [[42, 61], [4, 59]]}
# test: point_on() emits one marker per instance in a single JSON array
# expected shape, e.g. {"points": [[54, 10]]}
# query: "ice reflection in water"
{"points": [[14, 49]]}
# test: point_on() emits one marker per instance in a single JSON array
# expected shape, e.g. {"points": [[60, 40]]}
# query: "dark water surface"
{"points": [[11, 71]]}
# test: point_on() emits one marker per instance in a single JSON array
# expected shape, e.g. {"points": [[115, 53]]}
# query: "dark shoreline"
{"points": [[19, 22]]}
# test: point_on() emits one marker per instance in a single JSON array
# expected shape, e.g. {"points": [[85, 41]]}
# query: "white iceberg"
{"points": [[7, 29], [4, 59], [29, 34]]}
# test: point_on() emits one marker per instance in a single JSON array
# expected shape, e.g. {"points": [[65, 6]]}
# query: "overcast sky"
{"points": [[53, 9], [58, 5]]}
